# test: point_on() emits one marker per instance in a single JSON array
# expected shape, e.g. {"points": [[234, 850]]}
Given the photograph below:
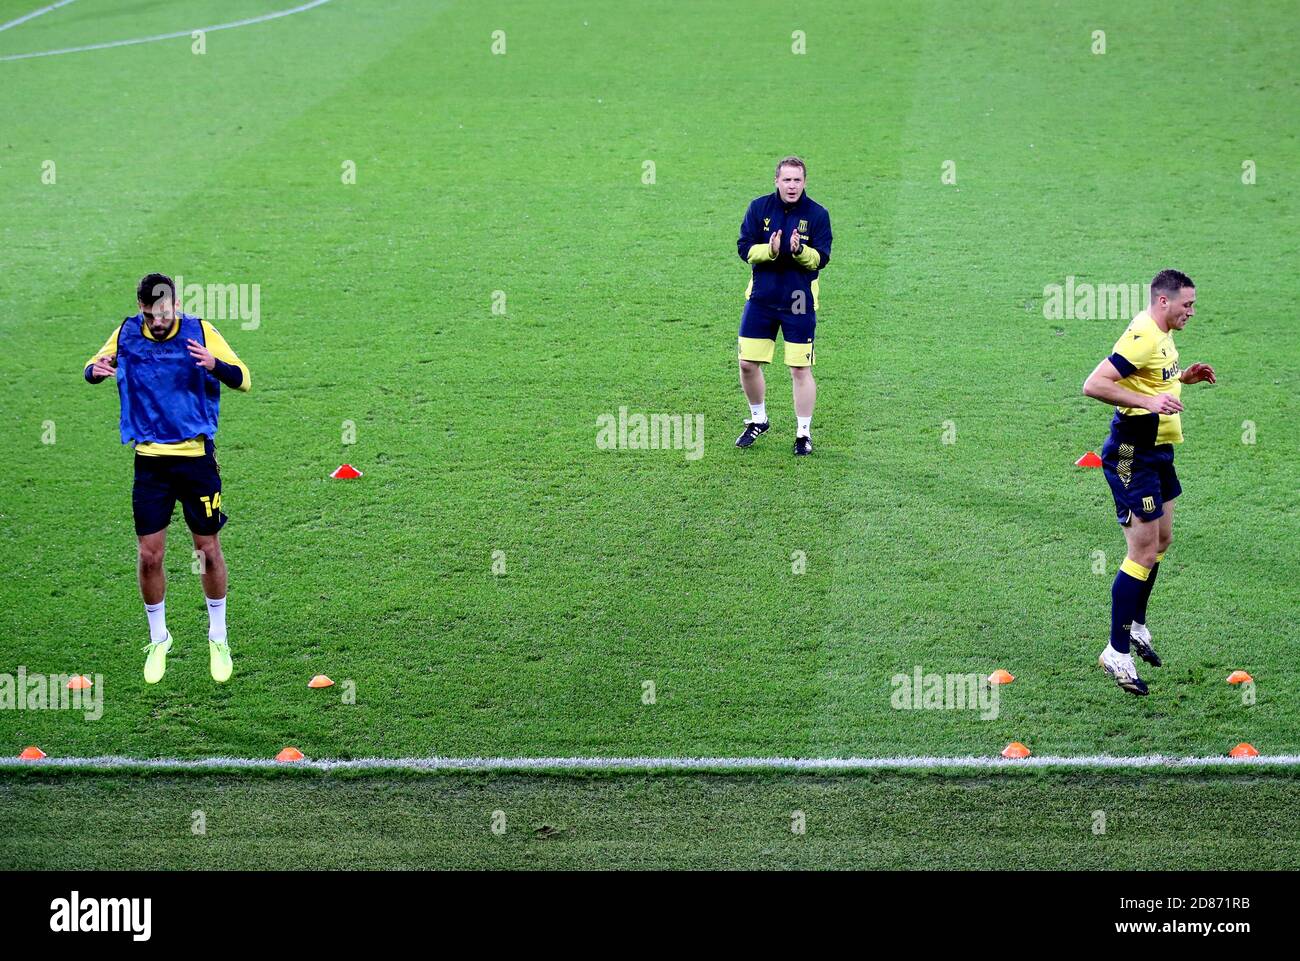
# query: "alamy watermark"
{"points": [[75, 914], [214, 302], [1081, 300], [684, 432], [49, 692], [920, 691]]}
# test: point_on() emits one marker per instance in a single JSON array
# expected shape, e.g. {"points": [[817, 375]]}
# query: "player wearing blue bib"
{"points": [[1144, 382], [169, 368]]}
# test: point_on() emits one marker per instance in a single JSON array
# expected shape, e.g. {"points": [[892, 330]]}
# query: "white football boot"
{"points": [[1141, 639], [1121, 670]]}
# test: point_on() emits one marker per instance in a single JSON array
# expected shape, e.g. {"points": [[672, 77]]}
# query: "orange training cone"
{"points": [[1015, 750], [1243, 750], [31, 754], [80, 683], [1088, 460], [1001, 676], [290, 754], [1239, 677], [320, 680], [346, 472]]}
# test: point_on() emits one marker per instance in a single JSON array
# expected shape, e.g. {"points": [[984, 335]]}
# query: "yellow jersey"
{"points": [[1147, 361]]}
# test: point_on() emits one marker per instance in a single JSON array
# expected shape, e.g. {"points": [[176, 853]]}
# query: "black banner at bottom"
{"points": [[336, 909]]}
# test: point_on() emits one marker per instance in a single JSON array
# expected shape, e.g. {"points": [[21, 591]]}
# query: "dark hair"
{"points": [[791, 161], [1169, 283], [152, 287]]}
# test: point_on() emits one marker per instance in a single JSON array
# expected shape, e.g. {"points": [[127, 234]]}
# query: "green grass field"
{"points": [[518, 179], [892, 821]]}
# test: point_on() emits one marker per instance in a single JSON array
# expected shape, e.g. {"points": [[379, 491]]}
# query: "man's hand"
{"points": [[1197, 374], [104, 366], [775, 243], [796, 242], [1163, 404], [202, 356]]}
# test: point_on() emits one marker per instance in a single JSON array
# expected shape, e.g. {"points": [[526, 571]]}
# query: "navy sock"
{"points": [[1125, 596], [1141, 614]]}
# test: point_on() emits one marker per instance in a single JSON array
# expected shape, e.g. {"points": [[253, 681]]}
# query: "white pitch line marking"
{"points": [[34, 14], [166, 36], [698, 764]]}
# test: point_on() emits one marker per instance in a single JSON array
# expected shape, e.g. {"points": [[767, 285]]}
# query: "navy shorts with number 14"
{"points": [[162, 481]]}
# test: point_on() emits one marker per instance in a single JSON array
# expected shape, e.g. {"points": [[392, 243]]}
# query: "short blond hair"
{"points": [[791, 161]]}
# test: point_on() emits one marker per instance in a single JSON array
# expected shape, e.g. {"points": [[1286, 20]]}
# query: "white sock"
{"points": [[805, 427], [758, 412], [157, 621], [216, 619]]}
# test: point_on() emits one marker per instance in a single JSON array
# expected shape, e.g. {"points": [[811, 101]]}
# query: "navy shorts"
{"points": [[759, 325], [162, 481], [1141, 478]]}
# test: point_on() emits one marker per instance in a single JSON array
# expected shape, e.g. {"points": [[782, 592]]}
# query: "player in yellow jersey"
{"points": [[169, 368], [1144, 382]]}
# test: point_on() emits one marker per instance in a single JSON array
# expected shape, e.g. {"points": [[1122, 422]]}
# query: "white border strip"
{"points": [[162, 36], [699, 764], [34, 14]]}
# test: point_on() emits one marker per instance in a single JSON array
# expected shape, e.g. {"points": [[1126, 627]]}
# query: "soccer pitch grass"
{"points": [[890, 821], [523, 173]]}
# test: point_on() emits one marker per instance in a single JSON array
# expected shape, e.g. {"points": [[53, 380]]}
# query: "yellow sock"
{"points": [[1135, 570]]}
